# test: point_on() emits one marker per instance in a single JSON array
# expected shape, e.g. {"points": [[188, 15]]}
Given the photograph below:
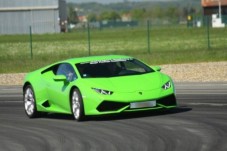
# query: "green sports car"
{"points": [[97, 85]]}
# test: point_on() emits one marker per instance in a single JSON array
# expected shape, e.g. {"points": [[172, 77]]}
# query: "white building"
{"points": [[16, 16]]}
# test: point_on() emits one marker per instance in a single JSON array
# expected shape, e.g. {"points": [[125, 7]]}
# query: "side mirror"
{"points": [[60, 78], [156, 68]]}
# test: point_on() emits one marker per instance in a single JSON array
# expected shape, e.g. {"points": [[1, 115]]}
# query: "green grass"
{"points": [[168, 45]]}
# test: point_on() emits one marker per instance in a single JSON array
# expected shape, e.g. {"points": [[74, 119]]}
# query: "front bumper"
{"points": [[112, 106]]}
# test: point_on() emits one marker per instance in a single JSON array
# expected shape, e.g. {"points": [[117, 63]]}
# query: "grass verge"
{"points": [[168, 45]]}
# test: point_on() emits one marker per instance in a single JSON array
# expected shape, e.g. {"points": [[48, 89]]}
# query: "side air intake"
{"points": [[46, 104]]}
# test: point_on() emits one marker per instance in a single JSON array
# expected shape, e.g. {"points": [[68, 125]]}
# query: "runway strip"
{"points": [[198, 124]]}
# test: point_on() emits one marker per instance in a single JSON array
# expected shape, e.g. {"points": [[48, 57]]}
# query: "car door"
{"points": [[59, 88]]}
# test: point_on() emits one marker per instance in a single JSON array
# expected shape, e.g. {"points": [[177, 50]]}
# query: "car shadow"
{"points": [[122, 116], [58, 116]]}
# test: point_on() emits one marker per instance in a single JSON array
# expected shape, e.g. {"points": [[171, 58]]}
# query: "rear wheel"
{"points": [[77, 106], [30, 102]]}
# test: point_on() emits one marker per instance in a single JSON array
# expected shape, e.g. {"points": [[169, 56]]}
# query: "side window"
{"points": [[66, 70]]}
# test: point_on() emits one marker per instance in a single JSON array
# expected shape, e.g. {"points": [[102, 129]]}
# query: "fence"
{"points": [[154, 42]]}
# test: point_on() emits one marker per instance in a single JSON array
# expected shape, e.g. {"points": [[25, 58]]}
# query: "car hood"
{"points": [[131, 83]]}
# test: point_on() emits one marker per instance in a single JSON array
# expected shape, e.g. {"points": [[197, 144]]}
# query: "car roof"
{"points": [[95, 58]]}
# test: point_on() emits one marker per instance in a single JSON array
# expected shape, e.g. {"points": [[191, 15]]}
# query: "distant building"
{"points": [[126, 17], [212, 7], [217, 9], [44, 16], [82, 18]]}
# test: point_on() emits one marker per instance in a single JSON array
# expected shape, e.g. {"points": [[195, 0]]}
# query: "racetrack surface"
{"points": [[198, 124]]}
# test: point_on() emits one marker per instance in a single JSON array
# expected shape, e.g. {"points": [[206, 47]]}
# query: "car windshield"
{"points": [[112, 68]]}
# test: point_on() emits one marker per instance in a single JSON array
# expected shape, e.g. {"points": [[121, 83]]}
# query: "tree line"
{"points": [[139, 14]]}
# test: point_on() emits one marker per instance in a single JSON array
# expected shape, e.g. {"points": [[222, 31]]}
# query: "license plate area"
{"points": [[135, 105]]}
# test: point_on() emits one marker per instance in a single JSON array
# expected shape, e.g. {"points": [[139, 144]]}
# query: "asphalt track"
{"points": [[198, 124]]}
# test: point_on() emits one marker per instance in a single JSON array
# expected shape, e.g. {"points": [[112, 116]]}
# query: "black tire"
{"points": [[30, 102], [77, 106]]}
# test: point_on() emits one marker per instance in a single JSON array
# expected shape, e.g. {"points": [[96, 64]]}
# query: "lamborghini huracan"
{"points": [[97, 85]]}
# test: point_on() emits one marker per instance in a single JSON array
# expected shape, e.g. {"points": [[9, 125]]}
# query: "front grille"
{"points": [[168, 101], [110, 106]]}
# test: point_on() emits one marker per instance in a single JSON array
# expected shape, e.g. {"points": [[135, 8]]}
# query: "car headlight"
{"points": [[101, 91], [167, 85]]}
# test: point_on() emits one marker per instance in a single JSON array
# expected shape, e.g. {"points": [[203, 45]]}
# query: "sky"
{"points": [[109, 1]]}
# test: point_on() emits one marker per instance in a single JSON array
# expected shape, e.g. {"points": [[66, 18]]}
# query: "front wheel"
{"points": [[77, 106], [29, 102]]}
